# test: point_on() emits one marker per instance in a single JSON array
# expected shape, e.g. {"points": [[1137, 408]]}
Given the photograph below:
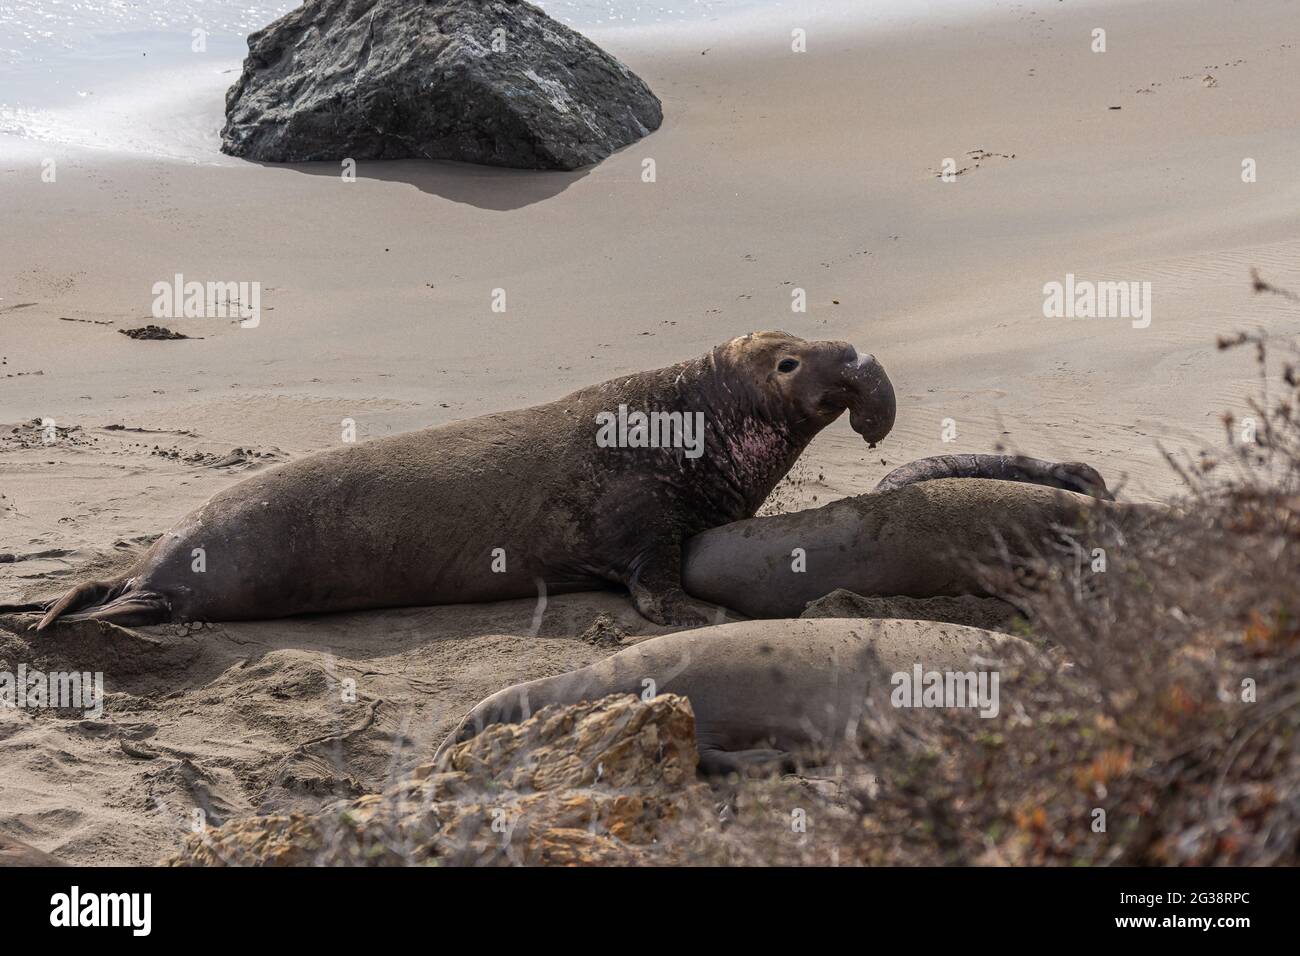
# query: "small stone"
{"points": [[604, 632]]}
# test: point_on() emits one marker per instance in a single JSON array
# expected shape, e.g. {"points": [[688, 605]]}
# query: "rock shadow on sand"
{"points": [[485, 187]]}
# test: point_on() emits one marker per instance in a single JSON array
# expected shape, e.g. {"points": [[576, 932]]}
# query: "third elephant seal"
{"points": [[763, 691]]}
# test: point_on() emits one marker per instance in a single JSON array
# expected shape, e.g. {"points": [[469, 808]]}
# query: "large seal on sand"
{"points": [[602, 486], [922, 539], [763, 689]]}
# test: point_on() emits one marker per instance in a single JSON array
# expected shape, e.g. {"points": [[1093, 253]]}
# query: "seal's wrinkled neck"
{"points": [[753, 439]]}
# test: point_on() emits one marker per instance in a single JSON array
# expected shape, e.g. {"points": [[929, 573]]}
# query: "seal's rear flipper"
{"points": [[113, 601], [130, 610], [1069, 475], [21, 608]]}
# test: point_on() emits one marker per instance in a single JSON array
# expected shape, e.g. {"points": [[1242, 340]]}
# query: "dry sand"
{"points": [[774, 170]]}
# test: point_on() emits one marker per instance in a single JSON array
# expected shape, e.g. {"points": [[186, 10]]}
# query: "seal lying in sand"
{"points": [[760, 690], [920, 540], [14, 852], [505, 505]]}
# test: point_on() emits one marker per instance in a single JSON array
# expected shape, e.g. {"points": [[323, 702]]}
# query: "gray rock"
{"points": [[479, 81]]}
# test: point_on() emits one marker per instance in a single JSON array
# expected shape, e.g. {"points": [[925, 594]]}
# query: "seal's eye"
{"points": [[787, 365]]}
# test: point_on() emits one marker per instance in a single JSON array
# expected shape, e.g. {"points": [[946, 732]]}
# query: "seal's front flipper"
{"points": [[656, 589], [465, 730], [673, 607], [745, 763]]}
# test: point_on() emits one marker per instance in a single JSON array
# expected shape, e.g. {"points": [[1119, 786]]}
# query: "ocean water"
{"points": [[149, 76]]}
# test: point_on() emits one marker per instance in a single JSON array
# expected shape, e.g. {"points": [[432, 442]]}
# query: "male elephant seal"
{"points": [[601, 486], [762, 689]]}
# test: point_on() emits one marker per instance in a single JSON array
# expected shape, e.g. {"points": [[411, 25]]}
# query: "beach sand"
{"points": [[774, 171]]}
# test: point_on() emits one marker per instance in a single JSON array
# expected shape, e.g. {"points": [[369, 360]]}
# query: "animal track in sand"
{"points": [[150, 431], [241, 458], [975, 157], [33, 434]]}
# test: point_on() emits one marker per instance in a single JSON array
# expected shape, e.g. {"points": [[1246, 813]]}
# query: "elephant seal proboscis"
{"points": [[762, 690], [505, 505]]}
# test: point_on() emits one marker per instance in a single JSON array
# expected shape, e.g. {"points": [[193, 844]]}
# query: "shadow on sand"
{"points": [[485, 187]]}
